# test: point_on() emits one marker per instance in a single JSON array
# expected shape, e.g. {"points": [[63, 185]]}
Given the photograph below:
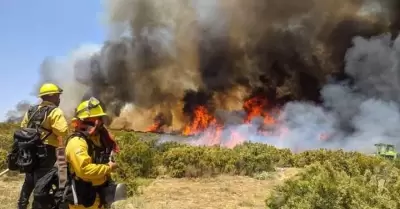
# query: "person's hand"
{"points": [[112, 165]]}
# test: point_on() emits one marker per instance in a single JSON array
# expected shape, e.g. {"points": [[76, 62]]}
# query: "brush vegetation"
{"points": [[329, 179]]}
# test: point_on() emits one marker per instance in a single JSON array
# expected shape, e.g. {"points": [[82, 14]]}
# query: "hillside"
{"points": [[251, 175]]}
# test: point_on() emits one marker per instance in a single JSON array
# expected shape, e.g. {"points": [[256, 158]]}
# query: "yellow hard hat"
{"points": [[89, 108], [49, 88]]}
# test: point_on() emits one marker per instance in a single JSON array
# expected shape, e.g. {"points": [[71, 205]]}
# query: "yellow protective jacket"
{"points": [[81, 164], [54, 121]]}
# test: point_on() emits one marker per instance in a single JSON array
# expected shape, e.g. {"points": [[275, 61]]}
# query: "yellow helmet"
{"points": [[89, 108], [49, 88]]}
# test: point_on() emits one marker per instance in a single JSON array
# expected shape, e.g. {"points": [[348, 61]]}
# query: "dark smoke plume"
{"points": [[16, 115], [223, 52], [286, 48]]}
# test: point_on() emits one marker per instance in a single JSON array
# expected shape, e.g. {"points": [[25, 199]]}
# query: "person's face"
{"points": [[56, 99], [95, 124]]}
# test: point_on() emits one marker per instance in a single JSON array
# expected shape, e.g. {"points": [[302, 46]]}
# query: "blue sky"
{"points": [[33, 30]]}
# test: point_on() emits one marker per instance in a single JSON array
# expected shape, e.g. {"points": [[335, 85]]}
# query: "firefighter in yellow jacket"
{"points": [[53, 127], [89, 151]]}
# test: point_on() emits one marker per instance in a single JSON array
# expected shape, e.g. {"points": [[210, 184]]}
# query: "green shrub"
{"points": [[257, 157], [352, 163], [136, 157], [198, 161], [332, 178], [6, 131], [3, 158], [323, 185]]}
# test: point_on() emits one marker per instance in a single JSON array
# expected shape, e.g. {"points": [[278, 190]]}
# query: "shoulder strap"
{"points": [[105, 143], [48, 110], [83, 135], [33, 110], [43, 113]]}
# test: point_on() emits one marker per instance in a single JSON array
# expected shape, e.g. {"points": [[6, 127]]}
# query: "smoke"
{"points": [[284, 48], [372, 107], [354, 116], [16, 115], [164, 58], [66, 73]]}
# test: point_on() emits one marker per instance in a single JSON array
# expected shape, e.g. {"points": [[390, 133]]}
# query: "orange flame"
{"points": [[204, 123], [154, 127], [254, 107], [201, 121], [269, 120]]}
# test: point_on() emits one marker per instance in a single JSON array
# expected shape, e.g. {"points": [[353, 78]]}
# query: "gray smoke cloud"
{"points": [[16, 115], [372, 108], [64, 71], [354, 117], [157, 51]]}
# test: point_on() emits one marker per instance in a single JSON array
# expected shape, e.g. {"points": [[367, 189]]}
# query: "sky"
{"points": [[33, 30]]}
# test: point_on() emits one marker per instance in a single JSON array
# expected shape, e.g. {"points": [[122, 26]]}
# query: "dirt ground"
{"points": [[223, 192]]}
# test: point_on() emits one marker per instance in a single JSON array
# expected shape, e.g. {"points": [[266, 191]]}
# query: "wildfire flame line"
{"points": [[208, 129], [204, 123]]}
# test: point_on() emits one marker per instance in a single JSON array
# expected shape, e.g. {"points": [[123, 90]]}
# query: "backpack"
{"points": [[48, 193], [28, 147]]}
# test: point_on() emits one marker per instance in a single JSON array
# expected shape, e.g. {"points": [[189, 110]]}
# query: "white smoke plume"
{"points": [[64, 71]]}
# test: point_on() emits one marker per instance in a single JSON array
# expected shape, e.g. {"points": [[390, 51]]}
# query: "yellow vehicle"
{"points": [[387, 151]]}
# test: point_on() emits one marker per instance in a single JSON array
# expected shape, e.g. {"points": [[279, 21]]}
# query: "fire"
{"points": [[155, 127], [254, 107], [269, 120], [204, 123], [202, 119], [158, 123]]}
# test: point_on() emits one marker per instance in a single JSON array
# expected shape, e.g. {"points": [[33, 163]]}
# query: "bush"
{"points": [[193, 161], [148, 158], [332, 178], [6, 131], [352, 163], [327, 186], [137, 157], [142, 155], [257, 157], [3, 158]]}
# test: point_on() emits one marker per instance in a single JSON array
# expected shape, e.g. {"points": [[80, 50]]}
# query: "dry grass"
{"points": [[223, 192], [10, 186]]}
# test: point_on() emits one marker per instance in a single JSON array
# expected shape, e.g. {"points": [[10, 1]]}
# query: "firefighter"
{"points": [[88, 152], [53, 127]]}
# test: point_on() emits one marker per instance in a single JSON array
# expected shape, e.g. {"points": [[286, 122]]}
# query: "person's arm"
{"points": [[81, 162], [58, 123]]}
